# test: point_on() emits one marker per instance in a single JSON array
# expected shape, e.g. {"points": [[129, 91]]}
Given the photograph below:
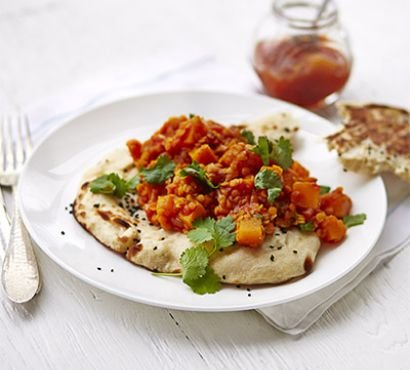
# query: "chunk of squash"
{"points": [[249, 232], [305, 194]]}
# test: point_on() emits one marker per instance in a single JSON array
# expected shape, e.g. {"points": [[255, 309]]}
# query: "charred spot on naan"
{"points": [[102, 217]]}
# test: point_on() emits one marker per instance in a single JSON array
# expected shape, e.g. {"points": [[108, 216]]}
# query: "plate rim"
{"points": [[158, 303]]}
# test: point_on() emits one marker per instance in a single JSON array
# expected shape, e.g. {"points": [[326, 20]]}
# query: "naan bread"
{"points": [[274, 126], [282, 256], [375, 138]]}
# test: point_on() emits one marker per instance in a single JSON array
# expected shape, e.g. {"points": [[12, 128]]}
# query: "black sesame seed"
{"points": [[249, 294], [238, 286], [112, 270], [155, 248], [99, 268], [62, 233], [71, 204], [279, 248], [248, 289], [287, 129], [71, 212], [66, 208], [344, 169], [139, 231], [295, 251], [271, 246], [96, 205], [163, 238], [224, 277], [272, 257]]}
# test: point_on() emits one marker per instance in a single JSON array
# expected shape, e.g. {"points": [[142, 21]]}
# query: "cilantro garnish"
{"points": [[113, 184], [208, 236], [354, 220], [263, 149], [282, 153], [196, 271], [270, 180], [307, 227], [249, 136], [219, 232], [194, 262], [195, 170], [163, 170], [324, 189], [279, 151], [191, 115]]}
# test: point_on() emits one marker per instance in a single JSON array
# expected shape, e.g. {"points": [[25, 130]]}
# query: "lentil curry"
{"points": [[193, 168]]}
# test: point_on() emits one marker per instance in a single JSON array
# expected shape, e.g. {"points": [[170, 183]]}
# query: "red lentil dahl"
{"points": [[231, 165]]}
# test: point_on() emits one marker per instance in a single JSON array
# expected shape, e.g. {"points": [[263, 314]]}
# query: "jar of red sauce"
{"points": [[301, 53]]}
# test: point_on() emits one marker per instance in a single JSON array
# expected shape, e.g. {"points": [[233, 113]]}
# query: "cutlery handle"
{"points": [[20, 275], [4, 226]]}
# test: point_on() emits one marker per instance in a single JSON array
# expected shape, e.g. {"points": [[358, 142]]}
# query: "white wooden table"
{"points": [[48, 45]]}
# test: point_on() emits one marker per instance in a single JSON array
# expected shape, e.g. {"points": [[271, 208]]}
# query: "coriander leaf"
{"points": [[199, 236], [354, 220], [208, 283], [282, 153], [191, 115], [102, 185], [249, 136], [205, 223], [220, 232], [195, 170], [133, 182], [273, 193], [270, 180], [112, 184], [224, 232], [307, 227], [194, 262], [163, 170], [263, 149], [324, 189]]}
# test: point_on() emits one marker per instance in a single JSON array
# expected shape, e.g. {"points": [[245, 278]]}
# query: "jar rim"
{"points": [[283, 9]]}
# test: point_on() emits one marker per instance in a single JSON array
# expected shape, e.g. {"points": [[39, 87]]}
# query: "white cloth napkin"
{"points": [[202, 72]]}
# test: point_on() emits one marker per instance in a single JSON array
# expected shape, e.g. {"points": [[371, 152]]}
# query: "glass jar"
{"points": [[301, 53]]}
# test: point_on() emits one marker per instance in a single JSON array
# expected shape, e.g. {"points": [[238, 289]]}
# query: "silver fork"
{"points": [[20, 275]]}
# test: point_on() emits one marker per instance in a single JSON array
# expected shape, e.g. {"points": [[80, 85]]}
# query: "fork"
{"points": [[20, 275]]}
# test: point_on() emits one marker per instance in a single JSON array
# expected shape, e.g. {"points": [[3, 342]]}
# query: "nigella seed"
{"points": [[163, 238], [248, 289], [238, 286], [112, 270], [139, 231], [271, 246], [96, 205], [344, 169], [224, 277], [249, 294], [272, 257], [155, 248], [62, 233], [279, 248], [295, 251], [71, 212], [99, 268]]}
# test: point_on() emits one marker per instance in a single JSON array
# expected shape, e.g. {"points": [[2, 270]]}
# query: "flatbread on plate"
{"points": [[281, 257]]}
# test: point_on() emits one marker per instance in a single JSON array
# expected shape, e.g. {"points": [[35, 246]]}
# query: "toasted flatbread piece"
{"points": [[375, 138], [273, 126], [282, 256]]}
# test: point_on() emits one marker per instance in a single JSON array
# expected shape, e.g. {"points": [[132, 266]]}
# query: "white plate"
{"points": [[52, 175]]}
